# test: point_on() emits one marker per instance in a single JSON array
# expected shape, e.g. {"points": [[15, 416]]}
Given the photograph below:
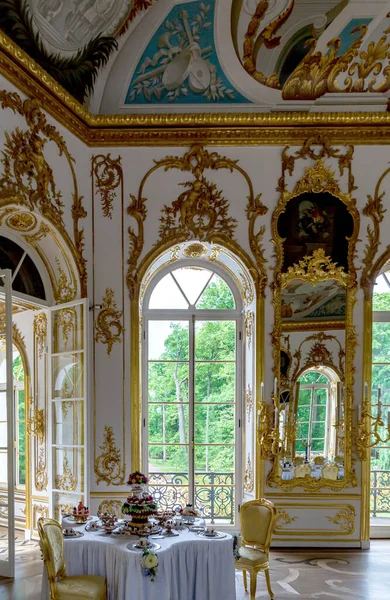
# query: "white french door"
{"points": [[191, 411], [67, 392], [7, 435]]}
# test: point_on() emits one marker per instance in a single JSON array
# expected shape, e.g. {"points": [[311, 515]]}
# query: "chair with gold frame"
{"points": [[63, 587], [257, 524], [302, 471], [330, 472]]}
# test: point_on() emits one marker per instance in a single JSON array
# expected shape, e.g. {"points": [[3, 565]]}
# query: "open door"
{"points": [[7, 429], [67, 431]]}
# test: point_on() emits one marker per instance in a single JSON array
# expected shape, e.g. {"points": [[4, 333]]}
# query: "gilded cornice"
{"points": [[279, 128]]}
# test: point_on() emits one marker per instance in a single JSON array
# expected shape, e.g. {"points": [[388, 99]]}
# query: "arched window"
{"points": [[316, 419], [25, 275], [192, 324]]}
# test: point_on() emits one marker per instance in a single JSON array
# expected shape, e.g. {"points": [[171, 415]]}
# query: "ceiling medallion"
{"points": [[195, 250]]}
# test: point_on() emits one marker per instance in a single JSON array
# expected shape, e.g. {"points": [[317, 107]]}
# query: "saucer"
{"points": [[90, 529], [216, 535], [170, 533], [136, 546], [75, 534]]}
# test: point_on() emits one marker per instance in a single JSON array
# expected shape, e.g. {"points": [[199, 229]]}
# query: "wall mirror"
{"points": [[315, 232]]}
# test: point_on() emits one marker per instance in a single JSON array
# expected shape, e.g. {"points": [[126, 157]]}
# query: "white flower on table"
{"points": [[150, 561]]}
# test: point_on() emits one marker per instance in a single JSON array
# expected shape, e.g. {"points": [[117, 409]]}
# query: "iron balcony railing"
{"points": [[380, 492], [213, 491]]}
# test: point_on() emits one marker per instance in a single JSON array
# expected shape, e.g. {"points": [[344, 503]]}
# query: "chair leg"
{"points": [[245, 581], [268, 581], [253, 584]]}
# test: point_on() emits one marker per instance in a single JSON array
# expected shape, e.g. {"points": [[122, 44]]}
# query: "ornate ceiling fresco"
{"points": [[127, 56]]}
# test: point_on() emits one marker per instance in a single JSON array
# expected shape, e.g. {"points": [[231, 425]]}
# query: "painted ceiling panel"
{"points": [[180, 63]]}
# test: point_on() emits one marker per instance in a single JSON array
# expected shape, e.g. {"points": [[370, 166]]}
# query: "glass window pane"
{"points": [[168, 340], [318, 446], [69, 469], [68, 376], [381, 342], [168, 424], [166, 294], [21, 407], [192, 281], [215, 382], [319, 413], [21, 437], [215, 340], [3, 407], [168, 382], [21, 469], [304, 397], [318, 430], [381, 376], [218, 459], [68, 419], [214, 424], [68, 329], [217, 295], [166, 459]]}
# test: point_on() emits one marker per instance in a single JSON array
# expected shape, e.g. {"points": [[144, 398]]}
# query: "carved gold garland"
{"points": [[107, 176], [199, 212], [108, 465], [41, 477], [345, 518], [40, 332], [27, 179], [248, 476], [108, 326], [315, 268]]}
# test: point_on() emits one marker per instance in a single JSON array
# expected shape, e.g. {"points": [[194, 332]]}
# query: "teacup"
{"points": [[94, 525], [69, 531], [144, 543], [210, 531]]}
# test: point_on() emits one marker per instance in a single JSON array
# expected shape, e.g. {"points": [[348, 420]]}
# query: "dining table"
{"points": [[191, 566]]}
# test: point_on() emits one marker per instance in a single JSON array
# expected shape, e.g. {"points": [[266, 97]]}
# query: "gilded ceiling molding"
{"points": [[200, 212], [107, 176], [267, 38], [318, 355], [345, 518], [108, 325], [375, 210], [160, 129], [40, 332], [108, 465], [27, 178]]}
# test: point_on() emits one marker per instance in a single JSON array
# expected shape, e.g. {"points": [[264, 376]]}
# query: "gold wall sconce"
{"points": [[368, 426]]}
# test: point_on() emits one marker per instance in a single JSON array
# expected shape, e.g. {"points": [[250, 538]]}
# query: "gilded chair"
{"points": [[319, 461], [63, 587], [302, 471], [330, 471], [257, 524], [298, 461]]}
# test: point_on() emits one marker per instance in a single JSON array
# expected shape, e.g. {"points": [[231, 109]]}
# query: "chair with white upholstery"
{"points": [[330, 472], [302, 471], [257, 524], [62, 587]]}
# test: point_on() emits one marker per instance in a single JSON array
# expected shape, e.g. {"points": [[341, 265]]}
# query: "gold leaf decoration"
{"points": [[249, 322], [283, 519], [214, 254], [65, 319], [22, 221], [108, 175], [41, 477], [108, 465], [195, 250], [345, 518], [108, 324], [249, 402], [36, 424], [65, 291], [113, 507], [318, 354], [315, 268], [67, 481], [318, 178], [28, 179], [249, 483], [247, 292], [40, 332]]}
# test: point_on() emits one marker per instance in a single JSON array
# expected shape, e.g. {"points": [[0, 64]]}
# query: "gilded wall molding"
{"points": [[316, 267], [108, 325], [41, 476], [40, 332], [35, 425], [283, 519], [107, 176], [249, 402], [67, 481], [200, 212], [249, 482], [375, 210], [108, 465], [27, 178], [345, 518], [184, 129], [249, 324]]}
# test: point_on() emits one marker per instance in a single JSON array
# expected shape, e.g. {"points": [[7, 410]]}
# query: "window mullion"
{"points": [[191, 408]]}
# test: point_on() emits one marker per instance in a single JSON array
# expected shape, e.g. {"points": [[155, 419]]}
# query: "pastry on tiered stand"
{"points": [[189, 513], [81, 513], [139, 504]]}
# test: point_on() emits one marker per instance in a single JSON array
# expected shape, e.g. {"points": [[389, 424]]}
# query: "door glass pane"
{"points": [[168, 382], [166, 458], [167, 294], [192, 280], [215, 382], [168, 423], [217, 295], [214, 424]]}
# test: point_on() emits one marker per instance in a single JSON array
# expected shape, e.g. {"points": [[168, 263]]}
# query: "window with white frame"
{"points": [[192, 322], [313, 415]]}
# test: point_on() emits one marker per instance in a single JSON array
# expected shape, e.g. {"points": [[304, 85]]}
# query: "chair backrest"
{"points": [[257, 523], [52, 546], [298, 461], [302, 471], [319, 460], [330, 472]]}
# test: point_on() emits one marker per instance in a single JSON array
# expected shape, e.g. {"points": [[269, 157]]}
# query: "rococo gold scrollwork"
{"points": [[249, 323], [67, 481], [40, 332], [36, 424], [108, 326], [107, 175], [345, 518], [28, 180], [249, 402], [22, 221], [199, 212], [108, 465], [66, 321], [314, 267], [283, 519], [248, 476], [111, 506]]}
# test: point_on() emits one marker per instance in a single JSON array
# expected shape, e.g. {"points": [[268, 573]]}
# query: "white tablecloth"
{"points": [[190, 567]]}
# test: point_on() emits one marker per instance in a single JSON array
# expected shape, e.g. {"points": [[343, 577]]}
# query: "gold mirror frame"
{"points": [[313, 269]]}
